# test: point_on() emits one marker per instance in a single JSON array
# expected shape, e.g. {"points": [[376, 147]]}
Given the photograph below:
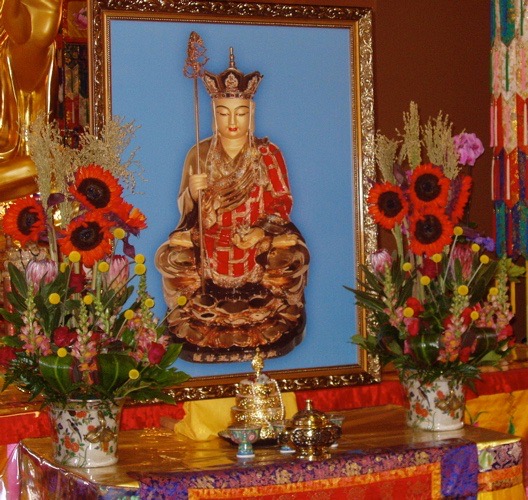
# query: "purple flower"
{"points": [[41, 271], [380, 261], [469, 148], [486, 242]]}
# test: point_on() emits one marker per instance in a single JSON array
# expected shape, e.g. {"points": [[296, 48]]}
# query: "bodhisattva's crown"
{"points": [[231, 83]]}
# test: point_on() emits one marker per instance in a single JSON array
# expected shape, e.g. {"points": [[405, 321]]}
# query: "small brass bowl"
{"points": [[311, 433]]}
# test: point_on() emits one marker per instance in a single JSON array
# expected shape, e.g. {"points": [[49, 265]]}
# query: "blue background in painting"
{"points": [[303, 105]]}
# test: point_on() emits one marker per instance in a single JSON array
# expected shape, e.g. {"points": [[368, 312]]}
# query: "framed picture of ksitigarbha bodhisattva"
{"points": [[315, 101]]}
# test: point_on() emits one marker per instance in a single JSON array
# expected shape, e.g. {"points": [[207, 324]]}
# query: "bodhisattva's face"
{"points": [[232, 117]]}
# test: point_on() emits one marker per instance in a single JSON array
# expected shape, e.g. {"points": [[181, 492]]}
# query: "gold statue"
{"points": [[235, 268], [28, 29]]}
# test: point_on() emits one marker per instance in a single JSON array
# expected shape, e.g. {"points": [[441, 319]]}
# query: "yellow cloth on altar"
{"points": [[504, 412], [205, 419]]}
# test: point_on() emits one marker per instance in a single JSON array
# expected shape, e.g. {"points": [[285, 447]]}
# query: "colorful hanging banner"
{"points": [[509, 125]]}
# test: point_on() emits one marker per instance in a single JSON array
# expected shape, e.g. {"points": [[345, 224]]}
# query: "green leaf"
{"points": [[172, 354], [114, 369], [18, 279], [425, 348], [58, 372], [12, 317]]}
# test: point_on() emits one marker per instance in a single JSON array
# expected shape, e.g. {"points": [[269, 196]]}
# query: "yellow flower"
{"points": [[119, 233], [129, 314], [458, 231], [74, 256], [63, 267], [139, 258], [407, 267], [484, 259], [474, 315], [408, 312], [140, 269], [54, 298], [436, 258], [62, 352], [493, 290], [103, 267], [149, 303], [133, 374], [463, 290], [88, 299], [425, 280], [475, 247], [182, 300]]}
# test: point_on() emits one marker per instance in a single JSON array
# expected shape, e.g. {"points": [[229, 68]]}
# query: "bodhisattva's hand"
{"points": [[249, 239], [284, 241], [180, 239], [197, 182]]}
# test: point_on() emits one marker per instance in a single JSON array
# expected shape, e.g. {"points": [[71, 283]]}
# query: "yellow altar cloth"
{"points": [[205, 419], [161, 451]]}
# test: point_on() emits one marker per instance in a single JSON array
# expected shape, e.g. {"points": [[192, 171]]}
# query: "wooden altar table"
{"points": [[377, 455]]}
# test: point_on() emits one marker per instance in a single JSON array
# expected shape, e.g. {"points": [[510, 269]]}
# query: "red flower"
{"points": [[96, 337], [95, 187], [77, 282], [155, 353], [429, 187], [7, 354], [446, 322], [506, 332], [90, 236], [413, 326], [429, 268], [465, 353], [415, 305], [459, 198], [466, 315], [132, 219], [388, 206], [25, 220], [63, 336], [431, 231]]}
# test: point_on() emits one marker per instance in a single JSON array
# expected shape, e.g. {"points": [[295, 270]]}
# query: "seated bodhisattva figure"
{"points": [[235, 268]]}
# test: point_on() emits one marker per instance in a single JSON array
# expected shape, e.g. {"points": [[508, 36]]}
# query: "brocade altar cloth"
{"points": [[377, 456]]}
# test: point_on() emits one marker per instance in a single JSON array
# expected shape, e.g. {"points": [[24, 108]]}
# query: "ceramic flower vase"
{"points": [[84, 433], [434, 406]]}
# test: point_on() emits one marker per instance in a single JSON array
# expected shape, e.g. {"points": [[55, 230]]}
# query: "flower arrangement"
{"points": [[439, 302], [77, 333]]}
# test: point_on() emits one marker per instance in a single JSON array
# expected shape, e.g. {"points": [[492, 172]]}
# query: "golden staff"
{"points": [[194, 68]]}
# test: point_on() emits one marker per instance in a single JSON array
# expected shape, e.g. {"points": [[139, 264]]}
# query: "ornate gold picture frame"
{"points": [[127, 36]]}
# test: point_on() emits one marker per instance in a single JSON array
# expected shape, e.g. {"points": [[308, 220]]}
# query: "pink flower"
{"points": [[380, 261], [41, 271], [465, 255], [117, 276], [469, 148]]}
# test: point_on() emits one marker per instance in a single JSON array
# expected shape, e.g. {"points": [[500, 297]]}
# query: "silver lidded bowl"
{"points": [[311, 433]]}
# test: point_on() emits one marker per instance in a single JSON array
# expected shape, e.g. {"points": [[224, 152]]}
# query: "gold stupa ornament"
{"points": [[258, 400]]}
